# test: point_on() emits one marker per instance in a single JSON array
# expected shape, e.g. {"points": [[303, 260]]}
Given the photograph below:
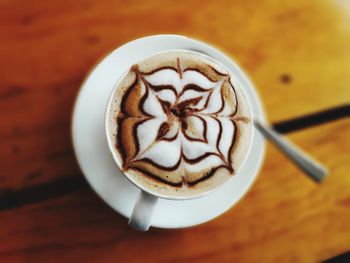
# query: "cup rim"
{"points": [[113, 151]]}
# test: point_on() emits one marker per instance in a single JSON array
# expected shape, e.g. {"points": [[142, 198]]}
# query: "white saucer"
{"points": [[96, 161]]}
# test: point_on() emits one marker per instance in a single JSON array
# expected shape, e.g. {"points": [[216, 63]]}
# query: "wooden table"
{"points": [[296, 52]]}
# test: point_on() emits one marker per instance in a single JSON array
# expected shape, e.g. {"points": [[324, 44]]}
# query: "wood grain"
{"points": [[296, 52], [284, 218], [49, 47]]}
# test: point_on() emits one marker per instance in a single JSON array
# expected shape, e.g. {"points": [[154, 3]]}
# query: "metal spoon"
{"points": [[311, 167]]}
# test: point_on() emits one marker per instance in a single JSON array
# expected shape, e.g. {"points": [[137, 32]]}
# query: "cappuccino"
{"points": [[180, 124]]}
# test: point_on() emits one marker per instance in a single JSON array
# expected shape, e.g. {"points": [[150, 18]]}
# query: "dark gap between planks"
{"points": [[10, 199]]}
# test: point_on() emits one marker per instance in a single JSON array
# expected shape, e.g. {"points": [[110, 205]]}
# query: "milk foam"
{"points": [[203, 122], [172, 77], [182, 130]]}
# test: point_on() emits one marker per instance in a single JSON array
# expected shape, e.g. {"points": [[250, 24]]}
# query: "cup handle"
{"points": [[141, 215]]}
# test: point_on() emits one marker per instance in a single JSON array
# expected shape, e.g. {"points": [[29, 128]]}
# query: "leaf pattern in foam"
{"points": [[215, 102], [228, 129], [164, 77], [151, 105], [191, 94], [164, 153], [195, 149], [196, 78], [196, 128], [147, 133]]}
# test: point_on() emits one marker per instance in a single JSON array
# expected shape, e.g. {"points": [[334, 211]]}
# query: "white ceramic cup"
{"points": [[141, 216]]}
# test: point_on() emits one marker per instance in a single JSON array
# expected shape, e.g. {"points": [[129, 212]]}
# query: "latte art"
{"points": [[178, 122]]}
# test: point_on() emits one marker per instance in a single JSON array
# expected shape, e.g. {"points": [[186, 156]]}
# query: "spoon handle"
{"points": [[310, 166]]}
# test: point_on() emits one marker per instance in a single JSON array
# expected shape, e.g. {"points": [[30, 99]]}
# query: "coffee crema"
{"points": [[181, 127]]}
